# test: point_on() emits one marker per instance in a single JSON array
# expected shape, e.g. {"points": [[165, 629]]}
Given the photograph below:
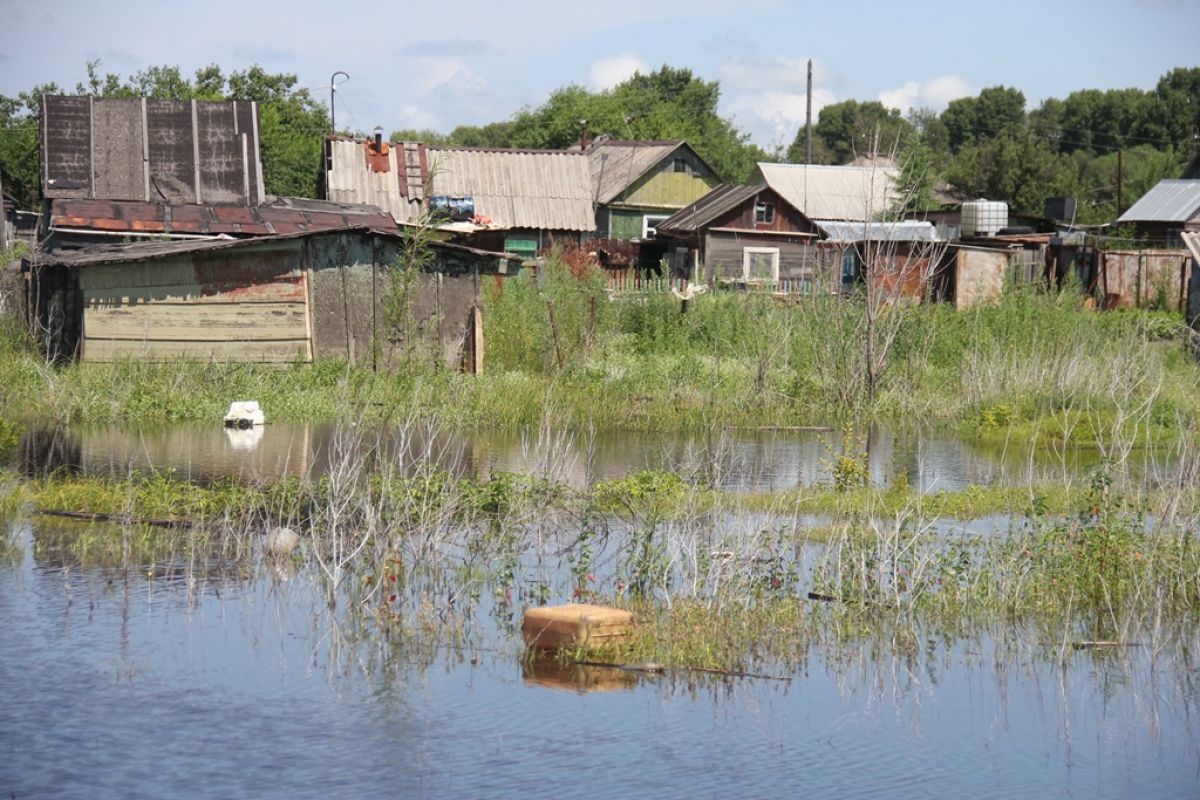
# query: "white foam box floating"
{"points": [[575, 625], [244, 414]]}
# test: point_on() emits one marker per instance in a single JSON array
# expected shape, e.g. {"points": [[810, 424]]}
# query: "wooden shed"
{"points": [[286, 298], [744, 235]]}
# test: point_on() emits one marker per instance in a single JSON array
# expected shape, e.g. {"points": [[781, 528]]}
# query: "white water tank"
{"points": [[983, 218]]}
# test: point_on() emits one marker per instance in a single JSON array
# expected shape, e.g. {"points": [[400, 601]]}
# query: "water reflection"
{"points": [[926, 459], [551, 673], [132, 685]]}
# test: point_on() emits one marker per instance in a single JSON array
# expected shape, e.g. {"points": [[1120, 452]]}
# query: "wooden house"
{"points": [[638, 184], [747, 235]]}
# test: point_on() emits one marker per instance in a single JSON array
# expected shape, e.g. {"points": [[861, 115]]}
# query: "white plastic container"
{"points": [[983, 218]]}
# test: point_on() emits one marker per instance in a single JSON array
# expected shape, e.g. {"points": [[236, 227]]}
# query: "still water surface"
{"points": [[927, 459], [209, 680], [197, 678]]}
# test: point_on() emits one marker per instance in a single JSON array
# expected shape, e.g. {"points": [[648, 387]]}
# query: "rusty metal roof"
{"points": [[616, 165], [721, 200], [536, 189], [1168, 201], [173, 151], [281, 217], [127, 252], [832, 193]]}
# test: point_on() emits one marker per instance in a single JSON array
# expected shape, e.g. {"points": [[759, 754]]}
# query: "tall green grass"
{"points": [[1035, 359]]}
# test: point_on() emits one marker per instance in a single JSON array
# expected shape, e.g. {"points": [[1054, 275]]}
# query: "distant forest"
{"points": [[990, 145]]}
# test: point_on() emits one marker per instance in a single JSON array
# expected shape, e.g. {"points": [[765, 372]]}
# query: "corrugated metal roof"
{"points": [[1168, 201], [617, 165], [283, 216], [149, 251], [701, 213], [537, 189], [831, 192], [901, 231]]}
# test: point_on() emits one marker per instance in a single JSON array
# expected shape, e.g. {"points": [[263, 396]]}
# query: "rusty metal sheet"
{"points": [[1145, 278], [979, 277]]}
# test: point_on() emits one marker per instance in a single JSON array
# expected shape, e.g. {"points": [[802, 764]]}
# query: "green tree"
{"points": [[850, 129], [1179, 107], [668, 103], [997, 109]]}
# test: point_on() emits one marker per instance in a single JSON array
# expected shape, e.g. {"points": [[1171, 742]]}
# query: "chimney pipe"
{"points": [[378, 139]]}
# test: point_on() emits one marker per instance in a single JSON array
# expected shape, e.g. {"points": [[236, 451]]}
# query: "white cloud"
{"points": [[775, 117], [766, 96], [427, 73], [935, 93], [608, 72]]}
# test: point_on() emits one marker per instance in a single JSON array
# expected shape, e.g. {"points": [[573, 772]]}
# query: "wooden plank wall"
{"points": [[246, 304]]}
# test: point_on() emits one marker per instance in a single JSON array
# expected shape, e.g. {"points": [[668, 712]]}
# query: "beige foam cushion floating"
{"points": [[574, 625]]}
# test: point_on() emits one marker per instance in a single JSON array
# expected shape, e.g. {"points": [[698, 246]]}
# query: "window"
{"points": [[764, 213], [760, 264], [648, 223], [680, 164]]}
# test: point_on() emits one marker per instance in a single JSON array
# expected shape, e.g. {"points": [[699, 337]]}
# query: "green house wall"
{"points": [[670, 190]]}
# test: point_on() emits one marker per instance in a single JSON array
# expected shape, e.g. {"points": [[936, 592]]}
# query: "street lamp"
{"points": [[332, 89]]}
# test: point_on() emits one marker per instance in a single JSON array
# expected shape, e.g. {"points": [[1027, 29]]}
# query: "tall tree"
{"points": [[668, 103], [850, 129], [997, 109]]}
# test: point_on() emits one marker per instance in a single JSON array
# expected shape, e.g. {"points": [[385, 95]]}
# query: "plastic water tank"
{"points": [[983, 217]]}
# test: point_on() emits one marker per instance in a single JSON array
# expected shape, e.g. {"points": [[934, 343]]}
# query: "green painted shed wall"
{"points": [[672, 190]]}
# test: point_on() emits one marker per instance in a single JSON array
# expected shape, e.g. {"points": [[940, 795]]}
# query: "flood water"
{"points": [[189, 676], [927, 459], [203, 680]]}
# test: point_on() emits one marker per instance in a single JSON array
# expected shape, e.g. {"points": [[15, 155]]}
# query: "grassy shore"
{"points": [[1034, 366]]}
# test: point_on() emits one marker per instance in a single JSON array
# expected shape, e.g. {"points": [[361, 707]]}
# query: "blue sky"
{"points": [[440, 65]]}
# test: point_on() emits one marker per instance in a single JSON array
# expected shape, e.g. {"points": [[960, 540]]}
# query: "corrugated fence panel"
{"points": [[171, 151], [119, 150], [223, 176]]}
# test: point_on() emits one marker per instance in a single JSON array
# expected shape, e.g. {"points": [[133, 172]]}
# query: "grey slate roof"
{"points": [[1168, 201], [538, 189], [828, 192]]}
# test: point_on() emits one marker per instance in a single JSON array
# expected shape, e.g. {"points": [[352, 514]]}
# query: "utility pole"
{"points": [[808, 119], [332, 89], [1120, 178]]}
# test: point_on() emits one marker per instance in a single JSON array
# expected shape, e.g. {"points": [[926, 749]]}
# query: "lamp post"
{"points": [[332, 89]]}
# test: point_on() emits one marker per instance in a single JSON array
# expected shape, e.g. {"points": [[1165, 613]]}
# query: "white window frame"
{"points": [[649, 221], [747, 252], [768, 213]]}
